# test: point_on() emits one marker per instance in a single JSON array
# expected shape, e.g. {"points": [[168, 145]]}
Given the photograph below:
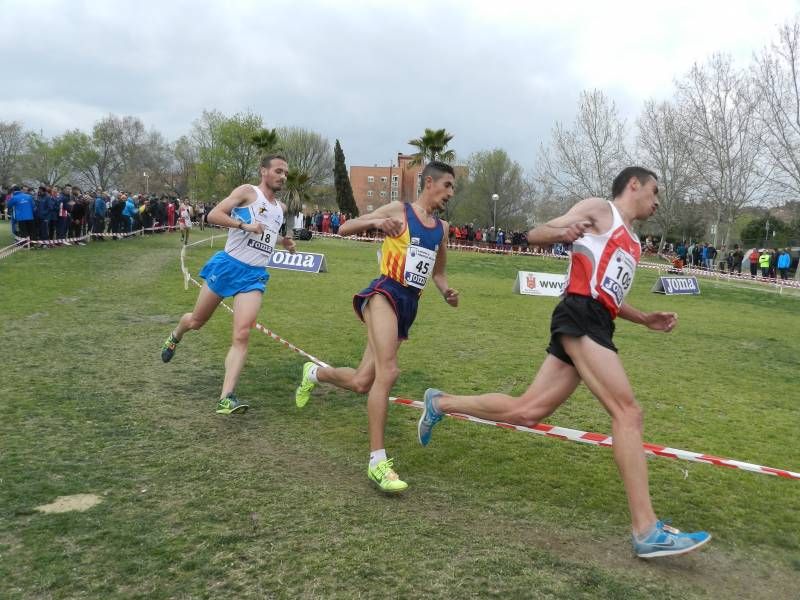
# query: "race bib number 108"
{"points": [[618, 278], [419, 265]]}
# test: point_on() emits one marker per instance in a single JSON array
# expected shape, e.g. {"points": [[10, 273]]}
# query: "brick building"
{"points": [[376, 186]]}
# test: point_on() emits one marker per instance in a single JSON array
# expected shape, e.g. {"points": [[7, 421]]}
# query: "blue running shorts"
{"points": [[227, 276], [404, 301]]}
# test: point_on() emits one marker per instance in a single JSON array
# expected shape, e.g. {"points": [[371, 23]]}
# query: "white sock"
{"points": [[312, 373], [377, 456]]}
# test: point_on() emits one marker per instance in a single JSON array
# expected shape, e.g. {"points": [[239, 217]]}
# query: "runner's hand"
{"points": [[289, 245], [575, 231], [451, 296], [391, 226], [662, 321], [253, 227]]}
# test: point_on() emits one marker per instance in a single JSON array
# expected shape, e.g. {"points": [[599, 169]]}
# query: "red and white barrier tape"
{"points": [[551, 431], [519, 251], [22, 244]]}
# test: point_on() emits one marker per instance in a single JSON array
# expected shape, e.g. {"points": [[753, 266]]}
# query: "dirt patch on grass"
{"points": [[76, 502]]}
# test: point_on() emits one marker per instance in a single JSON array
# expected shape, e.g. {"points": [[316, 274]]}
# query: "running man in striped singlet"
{"points": [[254, 217], [413, 251], [603, 261]]}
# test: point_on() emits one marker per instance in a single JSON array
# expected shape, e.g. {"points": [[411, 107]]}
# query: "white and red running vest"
{"points": [[602, 266]]}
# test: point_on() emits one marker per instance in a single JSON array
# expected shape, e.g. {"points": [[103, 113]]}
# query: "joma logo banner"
{"points": [[677, 285], [308, 262]]}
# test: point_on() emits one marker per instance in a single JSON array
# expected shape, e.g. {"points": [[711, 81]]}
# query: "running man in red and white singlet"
{"points": [[603, 260]]}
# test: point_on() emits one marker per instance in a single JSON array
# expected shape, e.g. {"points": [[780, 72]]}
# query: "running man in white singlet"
{"points": [[603, 261], [254, 217]]}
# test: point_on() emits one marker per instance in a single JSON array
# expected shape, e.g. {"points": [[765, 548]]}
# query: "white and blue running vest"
{"points": [[255, 249]]}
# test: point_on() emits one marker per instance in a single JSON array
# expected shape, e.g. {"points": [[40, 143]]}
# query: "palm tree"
{"points": [[431, 146], [296, 191], [266, 140]]}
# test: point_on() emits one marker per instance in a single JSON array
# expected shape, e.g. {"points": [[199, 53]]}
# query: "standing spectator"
{"points": [[335, 222], [46, 210], [170, 216], [326, 222], [783, 262], [318, 221], [491, 236], [22, 204], [753, 261], [763, 262], [52, 217], [77, 213], [738, 257], [99, 215], [773, 264], [128, 212], [501, 237]]}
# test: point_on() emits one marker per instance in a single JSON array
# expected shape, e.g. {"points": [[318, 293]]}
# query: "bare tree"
{"points": [[12, 145], [663, 148], [719, 120], [307, 152], [776, 72], [583, 160]]}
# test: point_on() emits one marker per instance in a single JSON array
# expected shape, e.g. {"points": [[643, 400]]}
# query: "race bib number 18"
{"points": [[419, 265], [618, 278]]}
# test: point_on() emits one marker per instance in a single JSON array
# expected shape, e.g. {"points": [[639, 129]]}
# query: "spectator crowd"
{"points": [[56, 214]]}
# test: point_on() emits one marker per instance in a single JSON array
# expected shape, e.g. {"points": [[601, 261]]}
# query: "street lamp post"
{"points": [[146, 183], [495, 198]]}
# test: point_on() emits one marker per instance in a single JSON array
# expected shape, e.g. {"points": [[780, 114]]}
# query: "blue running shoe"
{"points": [[664, 540], [430, 417]]}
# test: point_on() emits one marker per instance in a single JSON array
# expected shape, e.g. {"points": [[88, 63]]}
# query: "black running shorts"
{"points": [[577, 316]]}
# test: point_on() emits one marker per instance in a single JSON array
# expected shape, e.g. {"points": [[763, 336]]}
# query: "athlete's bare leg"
{"points": [[553, 384], [602, 371], [245, 311], [207, 302], [357, 380], [381, 323]]}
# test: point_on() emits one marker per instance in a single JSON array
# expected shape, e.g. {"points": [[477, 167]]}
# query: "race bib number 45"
{"points": [[419, 265], [618, 278]]}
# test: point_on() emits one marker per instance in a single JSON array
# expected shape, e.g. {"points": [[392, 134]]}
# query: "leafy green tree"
{"points": [[493, 172], [341, 180], [432, 146], [47, 161], [776, 234]]}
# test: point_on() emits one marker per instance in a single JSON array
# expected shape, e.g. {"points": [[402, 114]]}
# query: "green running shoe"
{"points": [[231, 404], [385, 478], [303, 392], [168, 349]]}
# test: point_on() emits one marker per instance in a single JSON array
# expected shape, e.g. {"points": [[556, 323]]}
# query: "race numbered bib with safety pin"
{"points": [[618, 278], [419, 265], [264, 242]]}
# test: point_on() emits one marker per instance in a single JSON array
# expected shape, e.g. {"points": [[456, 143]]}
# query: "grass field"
{"points": [[276, 503]]}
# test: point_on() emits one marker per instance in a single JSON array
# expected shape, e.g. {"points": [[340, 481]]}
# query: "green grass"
{"points": [[276, 503]]}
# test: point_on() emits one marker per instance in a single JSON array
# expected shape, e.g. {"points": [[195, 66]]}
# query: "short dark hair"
{"points": [[268, 158], [435, 169], [621, 180]]}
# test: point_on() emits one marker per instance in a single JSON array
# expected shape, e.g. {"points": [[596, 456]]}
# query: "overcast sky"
{"points": [[496, 73]]}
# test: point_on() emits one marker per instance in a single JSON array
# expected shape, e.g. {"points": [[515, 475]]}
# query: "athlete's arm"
{"points": [[449, 294], [659, 321], [288, 239], [569, 226], [221, 213], [388, 218]]}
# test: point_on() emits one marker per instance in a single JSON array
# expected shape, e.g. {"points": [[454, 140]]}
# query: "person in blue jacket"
{"points": [[784, 260], [24, 211]]}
